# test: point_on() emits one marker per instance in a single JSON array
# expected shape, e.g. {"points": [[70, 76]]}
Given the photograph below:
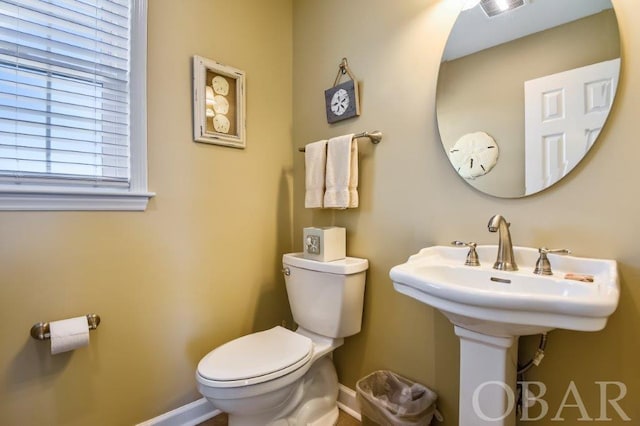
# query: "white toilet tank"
{"points": [[326, 297]]}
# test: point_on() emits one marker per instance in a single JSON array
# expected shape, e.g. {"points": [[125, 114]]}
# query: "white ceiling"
{"points": [[474, 31]]}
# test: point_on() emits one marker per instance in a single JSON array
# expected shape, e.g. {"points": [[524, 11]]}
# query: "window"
{"points": [[73, 105]]}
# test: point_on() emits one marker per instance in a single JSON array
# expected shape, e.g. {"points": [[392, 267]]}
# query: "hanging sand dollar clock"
{"points": [[342, 101]]}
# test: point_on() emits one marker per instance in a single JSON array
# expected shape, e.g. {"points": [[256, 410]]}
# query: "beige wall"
{"points": [[200, 266], [412, 198], [485, 91]]}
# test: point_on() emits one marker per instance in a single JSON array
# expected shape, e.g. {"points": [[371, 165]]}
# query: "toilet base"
{"points": [[313, 401], [330, 418]]}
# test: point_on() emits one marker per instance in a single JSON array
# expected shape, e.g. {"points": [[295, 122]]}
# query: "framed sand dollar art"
{"points": [[218, 103]]}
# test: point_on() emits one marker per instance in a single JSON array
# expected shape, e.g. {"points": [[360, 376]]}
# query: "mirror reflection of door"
{"points": [[480, 87], [564, 114]]}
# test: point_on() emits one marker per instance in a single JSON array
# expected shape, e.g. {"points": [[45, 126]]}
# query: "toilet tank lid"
{"points": [[346, 266]]}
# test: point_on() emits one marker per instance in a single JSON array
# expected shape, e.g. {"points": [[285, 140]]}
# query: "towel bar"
{"points": [[40, 331], [375, 137]]}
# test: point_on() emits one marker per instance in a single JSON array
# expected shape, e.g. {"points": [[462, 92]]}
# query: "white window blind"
{"points": [[65, 91]]}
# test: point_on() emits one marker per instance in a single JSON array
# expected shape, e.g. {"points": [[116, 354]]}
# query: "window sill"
{"points": [[50, 199]]}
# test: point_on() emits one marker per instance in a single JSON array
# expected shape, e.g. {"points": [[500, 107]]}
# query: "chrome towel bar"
{"points": [[40, 331], [375, 137]]}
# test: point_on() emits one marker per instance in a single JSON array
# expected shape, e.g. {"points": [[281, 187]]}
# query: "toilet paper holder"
{"points": [[40, 331]]}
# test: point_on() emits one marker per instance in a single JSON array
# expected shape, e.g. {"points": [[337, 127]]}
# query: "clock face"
{"points": [[340, 102], [221, 123]]}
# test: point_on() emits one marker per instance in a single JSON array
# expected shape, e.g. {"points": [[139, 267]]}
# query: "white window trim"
{"points": [[136, 197]]}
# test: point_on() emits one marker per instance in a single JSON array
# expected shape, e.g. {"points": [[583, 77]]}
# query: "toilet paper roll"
{"points": [[69, 334]]}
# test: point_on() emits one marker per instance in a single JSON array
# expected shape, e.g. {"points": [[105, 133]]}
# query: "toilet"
{"points": [[279, 377]]}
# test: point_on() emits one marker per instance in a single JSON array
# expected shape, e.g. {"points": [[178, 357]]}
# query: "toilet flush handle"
{"points": [[286, 271]]}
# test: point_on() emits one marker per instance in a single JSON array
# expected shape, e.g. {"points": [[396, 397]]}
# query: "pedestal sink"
{"points": [[491, 308]]}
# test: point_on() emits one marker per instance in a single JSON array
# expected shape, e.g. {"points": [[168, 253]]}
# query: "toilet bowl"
{"points": [[280, 377]]}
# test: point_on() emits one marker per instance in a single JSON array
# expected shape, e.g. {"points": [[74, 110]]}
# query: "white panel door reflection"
{"points": [[564, 113]]}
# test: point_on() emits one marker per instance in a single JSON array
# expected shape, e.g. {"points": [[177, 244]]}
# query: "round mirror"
{"points": [[524, 88]]}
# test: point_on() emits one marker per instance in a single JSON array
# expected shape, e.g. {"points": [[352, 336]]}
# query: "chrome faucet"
{"points": [[505, 260]]}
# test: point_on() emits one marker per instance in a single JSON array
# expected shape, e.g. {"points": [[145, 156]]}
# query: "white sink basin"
{"points": [[501, 303]]}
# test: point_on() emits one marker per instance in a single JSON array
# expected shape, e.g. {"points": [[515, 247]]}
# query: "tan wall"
{"points": [[200, 266], [485, 91], [412, 198]]}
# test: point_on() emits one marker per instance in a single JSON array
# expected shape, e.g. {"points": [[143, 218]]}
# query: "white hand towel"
{"points": [[315, 160], [353, 175], [338, 173]]}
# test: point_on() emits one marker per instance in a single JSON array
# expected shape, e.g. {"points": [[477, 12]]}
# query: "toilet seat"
{"points": [[256, 358]]}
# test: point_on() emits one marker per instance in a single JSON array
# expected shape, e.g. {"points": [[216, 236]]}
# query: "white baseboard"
{"points": [[191, 414], [348, 402], [201, 410]]}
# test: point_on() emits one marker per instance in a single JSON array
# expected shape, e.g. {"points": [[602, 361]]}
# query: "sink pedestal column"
{"points": [[488, 367]]}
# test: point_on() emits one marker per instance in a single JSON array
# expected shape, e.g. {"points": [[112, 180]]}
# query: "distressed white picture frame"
{"points": [[225, 105]]}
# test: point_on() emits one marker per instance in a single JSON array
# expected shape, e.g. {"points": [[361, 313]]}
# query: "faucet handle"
{"points": [[472, 256], [543, 266]]}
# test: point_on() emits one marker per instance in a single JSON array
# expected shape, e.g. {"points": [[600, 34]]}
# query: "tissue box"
{"points": [[324, 244]]}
